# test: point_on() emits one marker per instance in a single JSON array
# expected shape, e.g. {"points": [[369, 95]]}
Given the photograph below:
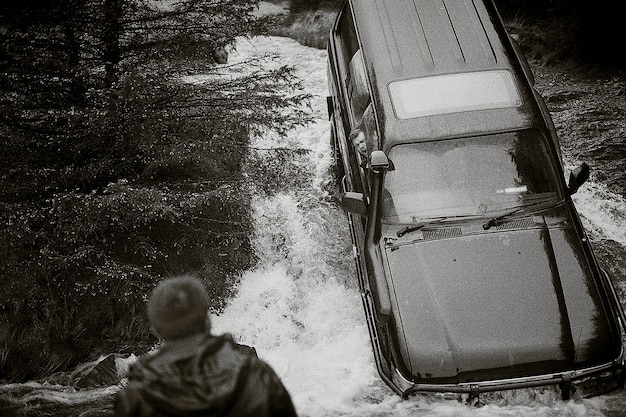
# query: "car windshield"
{"points": [[467, 177]]}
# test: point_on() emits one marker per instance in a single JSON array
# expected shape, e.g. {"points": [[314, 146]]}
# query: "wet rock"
{"points": [[100, 373]]}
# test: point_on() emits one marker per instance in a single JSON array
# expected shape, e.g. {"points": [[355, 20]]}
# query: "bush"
{"points": [[77, 267], [136, 179], [310, 28], [299, 6]]}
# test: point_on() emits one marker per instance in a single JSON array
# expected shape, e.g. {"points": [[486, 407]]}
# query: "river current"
{"points": [[301, 307]]}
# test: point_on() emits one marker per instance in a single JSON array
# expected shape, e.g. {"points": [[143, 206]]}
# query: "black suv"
{"points": [[475, 271]]}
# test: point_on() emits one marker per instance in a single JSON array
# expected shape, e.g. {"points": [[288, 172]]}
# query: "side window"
{"points": [[356, 83], [347, 36], [353, 73], [355, 94]]}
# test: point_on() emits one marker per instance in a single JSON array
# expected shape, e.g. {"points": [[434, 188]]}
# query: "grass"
{"points": [[308, 28]]}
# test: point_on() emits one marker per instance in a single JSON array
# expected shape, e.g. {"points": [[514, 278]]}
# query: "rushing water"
{"points": [[301, 306]]}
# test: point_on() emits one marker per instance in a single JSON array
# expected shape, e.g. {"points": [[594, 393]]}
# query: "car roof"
{"points": [[410, 39]]}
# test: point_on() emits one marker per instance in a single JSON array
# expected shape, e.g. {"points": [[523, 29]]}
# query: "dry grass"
{"points": [[309, 29]]}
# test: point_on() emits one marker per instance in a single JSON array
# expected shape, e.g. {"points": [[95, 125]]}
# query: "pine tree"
{"points": [[115, 173]]}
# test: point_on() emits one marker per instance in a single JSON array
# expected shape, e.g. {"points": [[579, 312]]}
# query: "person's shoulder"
{"points": [[245, 349], [247, 356], [241, 348]]}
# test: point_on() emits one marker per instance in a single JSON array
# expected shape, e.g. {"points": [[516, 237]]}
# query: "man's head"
{"points": [[178, 308], [357, 137]]}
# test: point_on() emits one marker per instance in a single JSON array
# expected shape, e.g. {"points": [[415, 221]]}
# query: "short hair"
{"points": [[178, 307]]}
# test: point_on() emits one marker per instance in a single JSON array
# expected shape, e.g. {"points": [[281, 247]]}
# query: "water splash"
{"points": [[301, 307], [603, 212]]}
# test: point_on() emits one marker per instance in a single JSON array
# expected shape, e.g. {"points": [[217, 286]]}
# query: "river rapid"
{"points": [[301, 306]]}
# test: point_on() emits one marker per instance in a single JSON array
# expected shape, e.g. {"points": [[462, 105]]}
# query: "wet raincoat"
{"points": [[203, 375]]}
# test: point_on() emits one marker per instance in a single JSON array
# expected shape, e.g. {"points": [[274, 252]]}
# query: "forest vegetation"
{"points": [[117, 173]]}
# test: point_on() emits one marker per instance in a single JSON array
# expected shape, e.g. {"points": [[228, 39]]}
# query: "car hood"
{"points": [[497, 305]]}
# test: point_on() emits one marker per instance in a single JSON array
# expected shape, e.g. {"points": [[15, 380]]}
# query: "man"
{"points": [[195, 373], [357, 138], [364, 137]]}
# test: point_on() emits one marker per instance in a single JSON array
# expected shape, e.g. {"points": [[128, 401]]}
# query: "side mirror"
{"points": [[577, 178], [379, 162], [354, 203]]}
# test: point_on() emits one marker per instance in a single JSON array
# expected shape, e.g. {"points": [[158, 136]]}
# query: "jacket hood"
{"points": [[497, 304], [200, 372]]}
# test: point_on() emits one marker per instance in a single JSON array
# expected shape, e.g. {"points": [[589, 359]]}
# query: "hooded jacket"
{"points": [[203, 375]]}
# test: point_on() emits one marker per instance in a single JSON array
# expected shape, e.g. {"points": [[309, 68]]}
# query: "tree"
{"points": [[116, 172]]}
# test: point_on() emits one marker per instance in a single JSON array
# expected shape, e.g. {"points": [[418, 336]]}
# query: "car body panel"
{"points": [[469, 312]]}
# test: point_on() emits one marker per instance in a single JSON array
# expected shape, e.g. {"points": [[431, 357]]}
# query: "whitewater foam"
{"points": [[301, 307], [603, 212]]}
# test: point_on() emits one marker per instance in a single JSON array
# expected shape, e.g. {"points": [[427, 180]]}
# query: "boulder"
{"points": [[100, 373]]}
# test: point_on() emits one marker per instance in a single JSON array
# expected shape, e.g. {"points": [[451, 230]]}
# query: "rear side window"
{"points": [[346, 34], [453, 93], [351, 59]]}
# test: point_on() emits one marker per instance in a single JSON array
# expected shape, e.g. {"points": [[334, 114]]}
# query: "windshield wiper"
{"points": [[410, 228], [537, 206], [421, 225]]}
